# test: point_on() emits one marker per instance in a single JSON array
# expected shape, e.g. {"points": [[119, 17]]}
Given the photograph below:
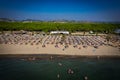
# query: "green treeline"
{"points": [[50, 26]]}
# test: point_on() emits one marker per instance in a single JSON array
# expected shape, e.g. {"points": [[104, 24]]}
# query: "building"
{"points": [[59, 32], [117, 31]]}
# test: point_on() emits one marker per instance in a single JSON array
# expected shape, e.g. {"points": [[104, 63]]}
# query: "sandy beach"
{"points": [[58, 45], [50, 49]]}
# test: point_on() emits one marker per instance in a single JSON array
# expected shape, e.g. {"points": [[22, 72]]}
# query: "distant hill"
{"points": [[55, 21], [6, 20]]}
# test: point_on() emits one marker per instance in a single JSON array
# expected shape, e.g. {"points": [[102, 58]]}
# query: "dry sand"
{"points": [[50, 49]]}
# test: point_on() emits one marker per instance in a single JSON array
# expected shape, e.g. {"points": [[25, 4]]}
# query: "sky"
{"points": [[80, 10]]}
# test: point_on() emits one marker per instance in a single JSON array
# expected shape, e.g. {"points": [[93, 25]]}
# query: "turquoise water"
{"points": [[102, 69]]}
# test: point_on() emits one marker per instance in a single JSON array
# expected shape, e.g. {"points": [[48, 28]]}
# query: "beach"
{"points": [[50, 49], [53, 57], [58, 45]]}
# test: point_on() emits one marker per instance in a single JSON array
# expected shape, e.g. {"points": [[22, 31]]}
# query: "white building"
{"points": [[59, 32], [117, 31]]}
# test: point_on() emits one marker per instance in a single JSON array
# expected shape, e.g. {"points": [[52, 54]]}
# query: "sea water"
{"points": [[94, 69]]}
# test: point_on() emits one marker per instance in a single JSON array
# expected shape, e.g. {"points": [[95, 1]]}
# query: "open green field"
{"points": [[50, 26]]}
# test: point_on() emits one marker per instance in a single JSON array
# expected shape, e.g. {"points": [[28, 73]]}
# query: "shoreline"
{"points": [[58, 56], [51, 49], [6, 49]]}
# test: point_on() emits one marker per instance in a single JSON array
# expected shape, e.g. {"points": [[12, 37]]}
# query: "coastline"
{"points": [[54, 57], [50, 49], [27, 51]]}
